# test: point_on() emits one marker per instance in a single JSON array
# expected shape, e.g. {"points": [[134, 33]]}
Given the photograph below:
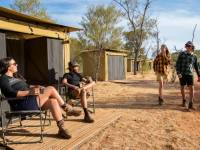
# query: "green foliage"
{"points": [[75, 49], [100, 28], [145, 66], [197, 52], [175, 55], [132, 38], [31, 7]]}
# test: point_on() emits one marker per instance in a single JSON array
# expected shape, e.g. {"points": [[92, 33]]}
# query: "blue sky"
{"points": [[177, 18]]}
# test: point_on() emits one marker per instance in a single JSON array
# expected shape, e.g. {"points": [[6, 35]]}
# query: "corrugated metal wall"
{"points": [[116, 67]]}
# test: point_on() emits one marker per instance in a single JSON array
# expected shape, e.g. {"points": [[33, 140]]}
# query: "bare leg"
{"points": [[53, 105], [191, 92], [52, 100], [50, 92], [183, 92], [83, 98], [87, 117], [161, 89], [88, 86]]}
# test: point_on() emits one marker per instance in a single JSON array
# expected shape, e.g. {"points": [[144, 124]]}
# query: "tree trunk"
{"points": [[135, 65], [98, 65]]}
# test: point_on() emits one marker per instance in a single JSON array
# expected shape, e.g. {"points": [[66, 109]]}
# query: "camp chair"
{"points": [[8, 114], [63, 91]]}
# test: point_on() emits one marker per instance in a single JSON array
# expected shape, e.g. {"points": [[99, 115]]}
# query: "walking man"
{"points": [[186, 62]]}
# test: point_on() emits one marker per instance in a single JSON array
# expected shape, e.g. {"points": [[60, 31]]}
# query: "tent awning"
{"points": [[11, 14]]}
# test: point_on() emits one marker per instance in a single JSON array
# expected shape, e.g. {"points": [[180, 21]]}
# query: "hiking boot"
{"points": [[191, 106], [70, 111], [160, 101], [62, 132], [73, 112], [184, 103], [88, 119]]}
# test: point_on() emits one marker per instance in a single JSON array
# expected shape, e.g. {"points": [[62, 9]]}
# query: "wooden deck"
{"points": [[81, 132]]}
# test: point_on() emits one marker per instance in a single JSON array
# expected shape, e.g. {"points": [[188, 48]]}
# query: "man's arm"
{"points": [[196, 67], [64, 81], [178, 64]]}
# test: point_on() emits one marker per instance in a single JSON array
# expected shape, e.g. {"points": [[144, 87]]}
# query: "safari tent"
{"points": [[41, 48], [113, 64]]}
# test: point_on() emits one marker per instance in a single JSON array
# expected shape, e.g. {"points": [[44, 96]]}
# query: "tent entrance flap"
{"points": [[55, 60], [40, 59], [44, 60], [36, 61]]}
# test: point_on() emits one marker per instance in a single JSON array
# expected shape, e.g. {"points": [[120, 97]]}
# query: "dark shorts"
{"points": [[73, 94], [29, 103], [186, 80]]}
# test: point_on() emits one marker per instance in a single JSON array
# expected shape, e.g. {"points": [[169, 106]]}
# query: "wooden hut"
{"points": [[113, 64], [140, 62], [40, 47]]}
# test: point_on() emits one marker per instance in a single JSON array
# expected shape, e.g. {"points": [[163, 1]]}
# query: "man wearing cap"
{"points": [[186, 62], [73, 80]]}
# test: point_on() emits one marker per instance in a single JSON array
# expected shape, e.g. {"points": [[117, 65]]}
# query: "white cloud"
{"points": [[177, 28], [175, 24]]}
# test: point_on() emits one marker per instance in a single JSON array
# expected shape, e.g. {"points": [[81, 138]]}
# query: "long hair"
{"points": [[167, 50], [4, 64]]}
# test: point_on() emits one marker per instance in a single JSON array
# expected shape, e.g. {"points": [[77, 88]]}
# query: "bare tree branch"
{"points": [[193, 34]]}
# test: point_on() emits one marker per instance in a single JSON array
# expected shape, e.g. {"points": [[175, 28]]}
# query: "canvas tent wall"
{"points": [[113, 64], [41, 48]]}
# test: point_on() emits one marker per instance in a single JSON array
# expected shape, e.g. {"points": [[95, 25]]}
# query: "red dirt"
{"points": [[145, 125]]}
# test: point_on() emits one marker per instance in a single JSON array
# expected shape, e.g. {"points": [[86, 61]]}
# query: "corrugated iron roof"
{"points": [[11, 14]]}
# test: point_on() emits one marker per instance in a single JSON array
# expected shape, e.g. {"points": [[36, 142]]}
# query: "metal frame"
{"points": [[10, 115]]}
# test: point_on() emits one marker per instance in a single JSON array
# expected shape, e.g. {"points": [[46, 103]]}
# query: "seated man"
{"points": [[76, 89], [12, 86]]}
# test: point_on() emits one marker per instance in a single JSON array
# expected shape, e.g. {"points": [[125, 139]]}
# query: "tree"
{"points": [[139, 24], [31, 7], [100, 28], [101, 31], [75, 49]]}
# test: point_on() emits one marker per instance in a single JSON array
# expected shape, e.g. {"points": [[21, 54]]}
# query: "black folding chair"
{"points": [[8, 114], [63, 91]]}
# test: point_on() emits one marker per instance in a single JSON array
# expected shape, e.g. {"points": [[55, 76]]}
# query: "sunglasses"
{"points": [[188, 45], [14, 64]]}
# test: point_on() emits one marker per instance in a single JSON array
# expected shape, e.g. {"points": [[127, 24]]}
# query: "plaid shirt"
{"points": [[185, 64], [160, 64]]}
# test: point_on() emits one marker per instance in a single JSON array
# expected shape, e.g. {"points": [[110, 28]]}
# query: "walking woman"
{"points": [[12, 86], [161, 65]]}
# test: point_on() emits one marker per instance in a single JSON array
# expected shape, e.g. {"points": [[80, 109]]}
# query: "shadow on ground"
{"points": [[144, 101]]}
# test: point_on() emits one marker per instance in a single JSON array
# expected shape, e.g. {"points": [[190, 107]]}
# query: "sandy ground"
{"points": [[143, 124]]}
